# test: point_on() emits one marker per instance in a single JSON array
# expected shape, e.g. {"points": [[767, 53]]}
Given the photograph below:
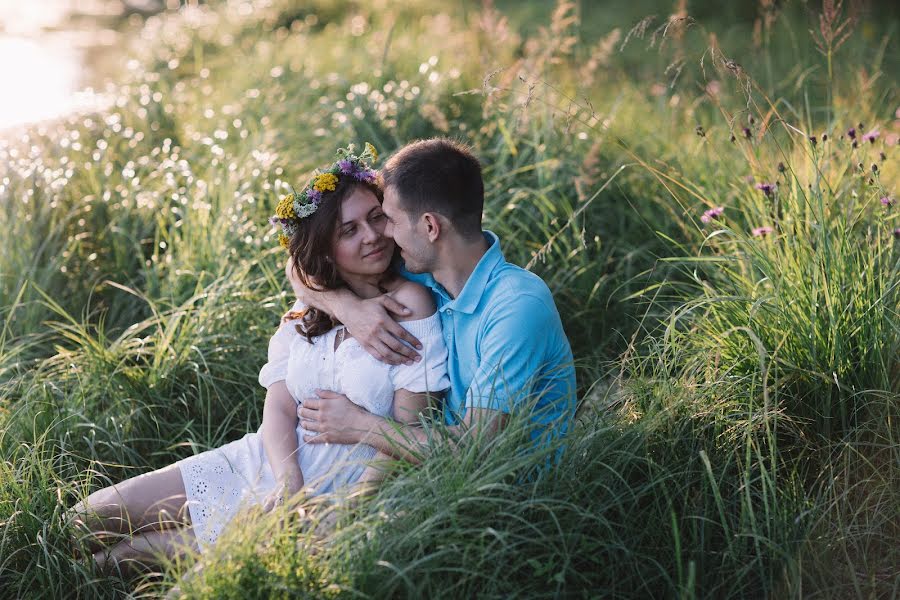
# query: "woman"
{"points": [[334, 232]]}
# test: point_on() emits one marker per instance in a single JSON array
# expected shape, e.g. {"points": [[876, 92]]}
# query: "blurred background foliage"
{"points": [[708, 189]]}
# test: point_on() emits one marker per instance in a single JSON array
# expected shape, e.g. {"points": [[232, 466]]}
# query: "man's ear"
{"points": [[433, 226]]}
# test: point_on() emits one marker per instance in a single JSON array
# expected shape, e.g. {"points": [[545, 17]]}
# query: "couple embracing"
{"points": [[402, 299]]}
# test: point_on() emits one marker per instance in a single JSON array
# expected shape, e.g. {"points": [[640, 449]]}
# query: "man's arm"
{"points": [[369, 321], [338, 420]]}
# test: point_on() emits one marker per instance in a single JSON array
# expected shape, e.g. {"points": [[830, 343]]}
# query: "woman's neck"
{"points": [[366, 286]]}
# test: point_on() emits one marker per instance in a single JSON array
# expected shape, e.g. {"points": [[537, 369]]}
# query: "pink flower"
{"points": [[887, 201], [897, 233], [871, 136], [767, 188], [762, 231], [713, 213]]}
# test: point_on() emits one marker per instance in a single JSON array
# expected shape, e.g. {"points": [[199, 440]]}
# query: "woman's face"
{"points": [[360, 246]]}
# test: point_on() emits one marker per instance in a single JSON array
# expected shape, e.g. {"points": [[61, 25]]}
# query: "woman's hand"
{"points": [[288, 486]]}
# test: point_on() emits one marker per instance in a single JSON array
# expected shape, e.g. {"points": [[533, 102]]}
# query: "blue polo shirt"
{"points": [[506, 344]]}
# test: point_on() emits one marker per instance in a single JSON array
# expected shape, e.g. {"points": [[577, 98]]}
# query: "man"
{"points": [[507, 348]]}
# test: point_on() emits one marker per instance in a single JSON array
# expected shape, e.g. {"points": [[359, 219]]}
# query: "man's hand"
{"points": [[333, 418], [371, 323], [290, 483]]}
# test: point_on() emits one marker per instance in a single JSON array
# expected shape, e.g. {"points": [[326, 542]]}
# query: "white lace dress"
{"points": [[222, 481]]}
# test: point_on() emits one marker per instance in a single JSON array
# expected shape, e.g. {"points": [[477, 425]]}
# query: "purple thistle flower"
{"points": [[747, 133], [314, 195], [887, 201], [767, 188], [274, 221], [897, 233], [871, 136], [812, 140], [346, 166], [851, 133], [762, 231], [712, 213], [367, 175]]}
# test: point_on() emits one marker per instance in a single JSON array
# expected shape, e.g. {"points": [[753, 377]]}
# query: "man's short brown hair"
{"points": [[438, 175]]}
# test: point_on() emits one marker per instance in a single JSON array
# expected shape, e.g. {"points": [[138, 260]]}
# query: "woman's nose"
{"points": [[371, 234]]}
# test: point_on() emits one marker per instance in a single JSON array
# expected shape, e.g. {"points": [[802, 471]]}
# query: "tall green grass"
{"points": [[737, 432]]}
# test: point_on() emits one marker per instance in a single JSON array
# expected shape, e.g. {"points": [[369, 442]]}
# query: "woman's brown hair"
{"points": [[311, 250]]}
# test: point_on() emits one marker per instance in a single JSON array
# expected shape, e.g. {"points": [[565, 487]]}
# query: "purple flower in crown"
{"points": [[346, 166], [762, 231], [713, 213], [767, 188], [367, 175], [314, 195], [871, 136], [274, 221]]}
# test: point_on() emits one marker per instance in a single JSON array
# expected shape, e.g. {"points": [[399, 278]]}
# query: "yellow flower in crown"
{"points": [[285, 208], [326, 182], [296, 206]]}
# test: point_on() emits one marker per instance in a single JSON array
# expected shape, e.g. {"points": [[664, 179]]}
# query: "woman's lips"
{"points": [[375, 253]]}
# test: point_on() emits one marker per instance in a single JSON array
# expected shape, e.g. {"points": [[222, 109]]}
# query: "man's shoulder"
{"points": [[514, 287]]}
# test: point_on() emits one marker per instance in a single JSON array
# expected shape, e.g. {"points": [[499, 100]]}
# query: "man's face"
{"points": [[409, 235]]}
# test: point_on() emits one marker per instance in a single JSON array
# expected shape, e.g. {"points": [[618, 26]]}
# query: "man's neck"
{"points": [[459, 257]]}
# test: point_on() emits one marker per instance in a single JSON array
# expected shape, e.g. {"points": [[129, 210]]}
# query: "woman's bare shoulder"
{"points": [[416, 297]]}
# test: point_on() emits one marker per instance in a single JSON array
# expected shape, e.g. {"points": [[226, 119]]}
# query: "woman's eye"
{"points": [[379, 217], [349, 231]]}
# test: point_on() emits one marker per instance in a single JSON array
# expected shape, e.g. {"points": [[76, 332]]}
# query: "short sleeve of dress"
{"points": [[430, 373], [280, 351]]}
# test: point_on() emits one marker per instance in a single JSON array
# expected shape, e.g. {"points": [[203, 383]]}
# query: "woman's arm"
{"points": [[279, 439]]}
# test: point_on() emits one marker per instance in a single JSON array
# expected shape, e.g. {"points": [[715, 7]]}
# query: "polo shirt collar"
{"points": [[470, 296]]}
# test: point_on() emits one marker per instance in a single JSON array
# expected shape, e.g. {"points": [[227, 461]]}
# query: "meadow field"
{"points": [[709, 189]]}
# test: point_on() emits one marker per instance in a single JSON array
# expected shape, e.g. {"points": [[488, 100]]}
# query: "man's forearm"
{"points": [[395, 439], [329, 301]]}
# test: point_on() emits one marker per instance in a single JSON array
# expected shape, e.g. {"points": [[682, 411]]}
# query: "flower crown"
{"points": [[294, 207]]}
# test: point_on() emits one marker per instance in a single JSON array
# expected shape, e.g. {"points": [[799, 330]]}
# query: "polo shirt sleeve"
{"points": [[512, 348]]}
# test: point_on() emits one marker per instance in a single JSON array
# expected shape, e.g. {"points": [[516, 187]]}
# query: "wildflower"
{"points": [[699, 131], [372, 151], [897, 233], [871, 136], [851, 133], [887, 201], [747, 133], [882, 156], [874, 168], [781, 167], [285, 208], [283, 240], [326, 182], [812, 140], [733, 139], [762, 231], [824, 137], [767, 188], [712, 213], [854, 144], [314, 196], [346, 166]]}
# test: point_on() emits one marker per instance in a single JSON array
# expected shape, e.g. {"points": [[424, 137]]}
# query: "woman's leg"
{"points": [[152, 501], [139, 553]]}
